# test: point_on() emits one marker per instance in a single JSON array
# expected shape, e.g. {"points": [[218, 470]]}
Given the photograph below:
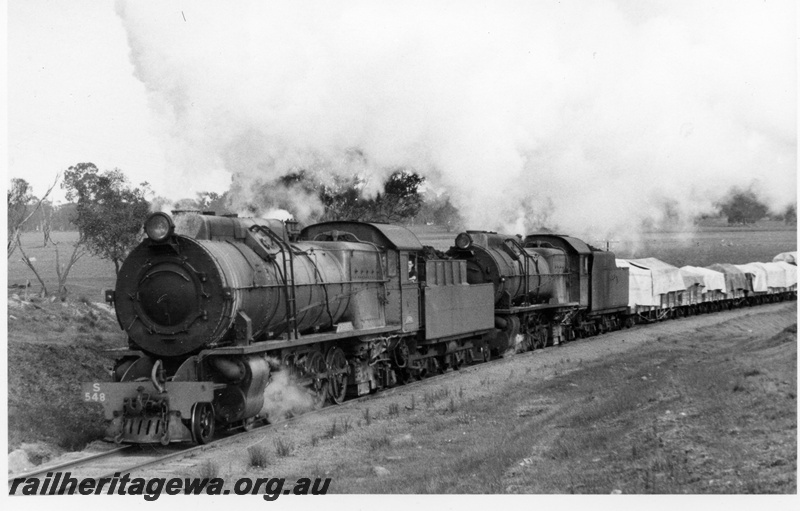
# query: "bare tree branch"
{"points": [[14, 236], [78, 251], [29, 263]]}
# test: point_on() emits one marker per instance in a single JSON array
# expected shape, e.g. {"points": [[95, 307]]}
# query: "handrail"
{"points": [[526, 267], [288, 278]]}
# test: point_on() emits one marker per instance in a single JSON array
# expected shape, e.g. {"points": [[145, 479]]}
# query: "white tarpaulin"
{"points": [[759, 276], [790, 271], [666, 278], [787, 257], [691, 277], [776, 277], [713, 280], [650, 278], [640, 285]]}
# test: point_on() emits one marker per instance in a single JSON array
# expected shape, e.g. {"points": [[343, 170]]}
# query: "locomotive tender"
{"points": [[213, 306]]}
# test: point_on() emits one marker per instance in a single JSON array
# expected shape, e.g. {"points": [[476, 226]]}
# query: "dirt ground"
{"points": [[706, 404]]}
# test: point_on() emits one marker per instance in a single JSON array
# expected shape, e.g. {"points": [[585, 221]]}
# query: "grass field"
{"points": [[89, 277]]}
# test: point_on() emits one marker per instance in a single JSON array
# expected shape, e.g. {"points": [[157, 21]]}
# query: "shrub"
{"points": [[283, 448], [208, 470], [258, 456], [377, 443]]}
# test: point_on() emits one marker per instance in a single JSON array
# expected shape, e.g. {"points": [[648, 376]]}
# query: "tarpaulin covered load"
{"points": [[759, 279], [657, 278], [694, 284], [712, 280], [691, 277], [735, 279], [790, 271], [787, 257], [776, 277], [640, 284], [666, 278]]}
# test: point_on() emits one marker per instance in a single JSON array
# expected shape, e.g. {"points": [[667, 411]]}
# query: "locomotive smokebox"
{"points": [[175, 298], [518, 273]]}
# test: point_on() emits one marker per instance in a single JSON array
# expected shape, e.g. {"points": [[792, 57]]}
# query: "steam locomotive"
{"points": [[213, 306]]}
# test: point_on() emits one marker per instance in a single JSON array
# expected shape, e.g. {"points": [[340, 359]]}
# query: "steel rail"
{"points": [[70, 463]]}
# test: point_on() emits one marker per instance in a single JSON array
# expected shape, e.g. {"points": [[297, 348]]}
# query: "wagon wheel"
{"points": [[203, 423], [536, 340], [337, 375], [486, 353], [458, 360], [316, 369], [441, 364], [405, 376], [400, 357], [249, 423], [544, 338]]}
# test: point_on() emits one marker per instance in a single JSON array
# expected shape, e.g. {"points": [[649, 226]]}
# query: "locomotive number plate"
{"points": [[92, 393]]}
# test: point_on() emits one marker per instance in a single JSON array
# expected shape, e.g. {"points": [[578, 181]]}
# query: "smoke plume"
{"points": [[589, 116]]}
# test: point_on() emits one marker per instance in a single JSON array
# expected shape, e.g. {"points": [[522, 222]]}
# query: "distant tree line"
{"points": [[743, 207], [400, 201], [59, 217]]}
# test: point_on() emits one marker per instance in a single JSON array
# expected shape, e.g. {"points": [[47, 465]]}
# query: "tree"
{"points": [[62, 270], [437, 209], [743, 207], [401, 199], [63, 216], [22, 205], [19, 199], [399, 202], [110, 213], [790, 215]]}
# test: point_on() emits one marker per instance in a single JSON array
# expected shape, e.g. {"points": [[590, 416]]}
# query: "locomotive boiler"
{"points": [[181, 291], [519, 274]]}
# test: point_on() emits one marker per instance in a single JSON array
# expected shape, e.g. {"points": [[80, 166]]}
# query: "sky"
{"points": [[73, 97], [588, 116]]}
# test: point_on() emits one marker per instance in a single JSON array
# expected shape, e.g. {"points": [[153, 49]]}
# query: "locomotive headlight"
{"points": [[463, 241], [159, 227]]}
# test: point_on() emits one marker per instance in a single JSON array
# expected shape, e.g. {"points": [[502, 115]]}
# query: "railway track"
{"points": [[107, 463]]}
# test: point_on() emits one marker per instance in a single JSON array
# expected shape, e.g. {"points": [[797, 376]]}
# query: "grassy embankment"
{"points": [[710, 412], [52, 349]]}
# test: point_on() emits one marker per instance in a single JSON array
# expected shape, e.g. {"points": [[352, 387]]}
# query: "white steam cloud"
{"points": [[587, 115], [284, 398]]}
